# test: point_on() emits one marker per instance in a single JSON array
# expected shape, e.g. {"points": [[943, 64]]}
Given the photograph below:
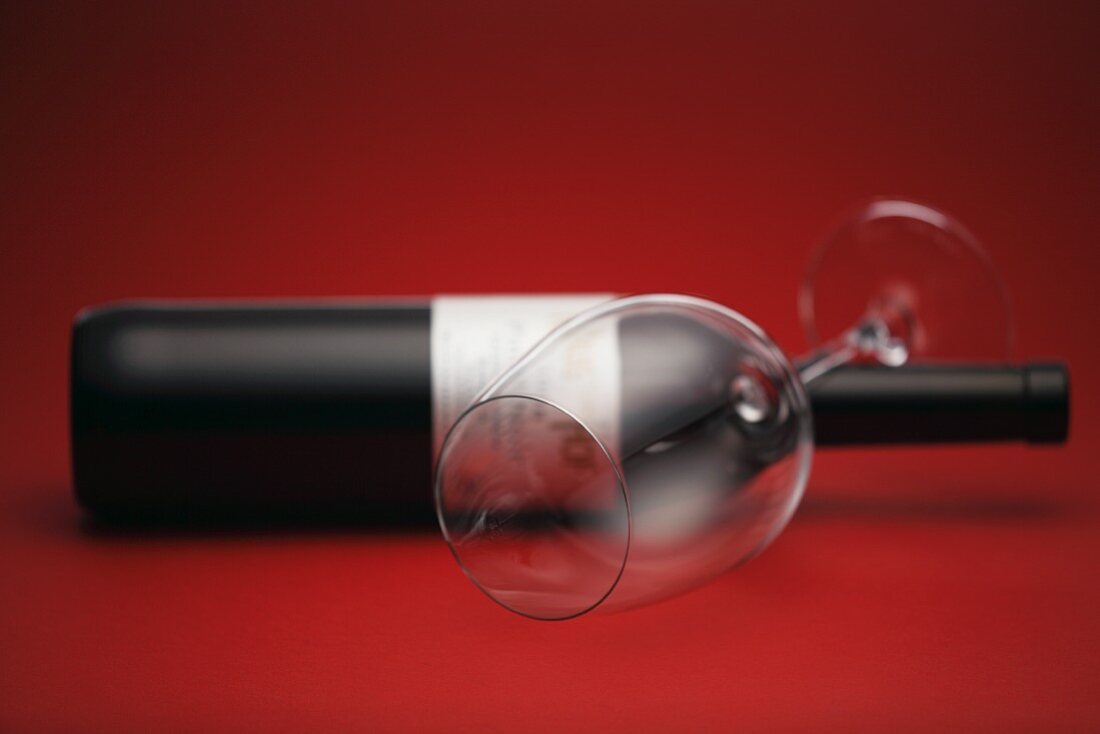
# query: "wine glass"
{"points": [[590, 477]]}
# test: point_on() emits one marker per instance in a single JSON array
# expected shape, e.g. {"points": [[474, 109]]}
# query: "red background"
{"points": [[414, 148]]}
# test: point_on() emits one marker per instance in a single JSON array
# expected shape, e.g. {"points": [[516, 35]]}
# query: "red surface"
{"points": [[207, 151]]}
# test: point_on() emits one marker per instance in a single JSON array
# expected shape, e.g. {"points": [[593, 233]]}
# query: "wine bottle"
{"points": [[184, 410]]}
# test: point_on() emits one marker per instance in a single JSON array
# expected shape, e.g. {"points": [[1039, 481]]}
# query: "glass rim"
{"points": [[620, 483]]}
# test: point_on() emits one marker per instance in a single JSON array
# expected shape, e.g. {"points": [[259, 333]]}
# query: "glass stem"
{"points": [[870, 339], [822, 361]]}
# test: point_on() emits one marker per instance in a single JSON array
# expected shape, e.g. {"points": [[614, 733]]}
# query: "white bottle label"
{"points": [[475, 338]]}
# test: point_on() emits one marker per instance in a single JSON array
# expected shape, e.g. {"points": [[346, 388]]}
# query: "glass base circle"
{"points": [[914, 270]]}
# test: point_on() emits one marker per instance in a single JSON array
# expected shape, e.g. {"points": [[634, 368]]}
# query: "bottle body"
{"points": [[180, 411], [284, 410]]}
